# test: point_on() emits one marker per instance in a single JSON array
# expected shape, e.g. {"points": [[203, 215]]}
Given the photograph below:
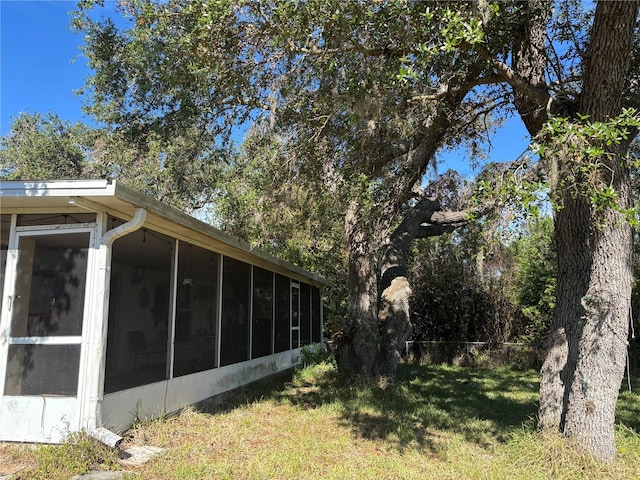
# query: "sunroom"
{"points": [[115, 306]]}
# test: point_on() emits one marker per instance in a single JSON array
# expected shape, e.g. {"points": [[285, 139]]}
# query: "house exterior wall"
{"points": [[121, 409], [46, 418]]}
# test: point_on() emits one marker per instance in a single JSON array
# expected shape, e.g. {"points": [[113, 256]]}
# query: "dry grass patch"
{"points": [[15, 457], [80, 454], [434, 422]]}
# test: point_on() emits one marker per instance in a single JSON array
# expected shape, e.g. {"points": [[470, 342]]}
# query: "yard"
{"points": [[435, 422]]}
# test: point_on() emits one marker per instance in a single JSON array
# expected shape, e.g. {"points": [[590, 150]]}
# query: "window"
{"points": [[262, 319], [196, 310], [282, 319], [5, 226], [50, 284], [305, 314], [316, 316], [139, 309], [35, 370], [236, 278], [295, 315]]}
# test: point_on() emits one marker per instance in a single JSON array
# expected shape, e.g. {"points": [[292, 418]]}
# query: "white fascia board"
{"points": [[57, 188]]}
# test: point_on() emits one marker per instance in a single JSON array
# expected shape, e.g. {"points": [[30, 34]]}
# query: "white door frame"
{"points": [[294, 329], [43, 418]]}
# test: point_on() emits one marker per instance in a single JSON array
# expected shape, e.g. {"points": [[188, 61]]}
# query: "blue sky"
{"points": [[37, 52], [41, 66]]}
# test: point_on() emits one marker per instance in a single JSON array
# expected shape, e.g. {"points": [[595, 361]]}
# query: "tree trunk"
{"points": [[600, 335], [530, 62], [584, 367], [585, 361], [357, 345], [423, 220], [393, 313], [574, 263], [393, 309]]}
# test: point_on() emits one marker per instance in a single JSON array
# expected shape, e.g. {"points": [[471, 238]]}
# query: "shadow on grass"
{"points": [[427, 402], [628, 408]]}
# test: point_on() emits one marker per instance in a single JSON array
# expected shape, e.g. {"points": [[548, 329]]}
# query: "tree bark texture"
{"points": [[357, 345], [393, 313], [530, 62], [600, 336], [574, 265], [584, 367]]}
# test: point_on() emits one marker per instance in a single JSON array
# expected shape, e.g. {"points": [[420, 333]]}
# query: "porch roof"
{"points": [[110, 196]]}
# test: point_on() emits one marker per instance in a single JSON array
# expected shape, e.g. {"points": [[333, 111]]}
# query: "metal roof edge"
{"points": [[42, 188], [114, 188]]}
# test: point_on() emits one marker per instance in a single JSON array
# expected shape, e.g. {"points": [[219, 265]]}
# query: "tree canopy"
{"points": [[182, 172], [44, 147], [364, 95]]}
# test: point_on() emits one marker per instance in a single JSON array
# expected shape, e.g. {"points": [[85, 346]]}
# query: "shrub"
{"points": [[314, 354]]}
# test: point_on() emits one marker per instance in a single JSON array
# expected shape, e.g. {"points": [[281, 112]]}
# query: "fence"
{"points": [[491, 354], [479, 354]]}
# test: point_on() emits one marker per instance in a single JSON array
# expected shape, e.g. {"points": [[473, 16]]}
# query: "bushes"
{"points": [[314, 354], [474, 354]]}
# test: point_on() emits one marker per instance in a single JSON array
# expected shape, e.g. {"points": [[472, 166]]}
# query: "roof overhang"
{"points": [[110, 196]]}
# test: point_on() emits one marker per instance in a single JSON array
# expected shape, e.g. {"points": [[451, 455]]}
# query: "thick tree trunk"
{"points": [[599, 336], [424, 220], [584, 367], [574, 264], [357, 345], [585, 362], [393, 313]]}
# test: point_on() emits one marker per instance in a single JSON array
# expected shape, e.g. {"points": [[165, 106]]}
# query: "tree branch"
{"points": [[427, 231], [444, 89], [460, 217], [441, 222], [508, 75]]}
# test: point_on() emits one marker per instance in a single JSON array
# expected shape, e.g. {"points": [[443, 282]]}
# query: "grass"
{"points": [[435, 422], [80, 454]]}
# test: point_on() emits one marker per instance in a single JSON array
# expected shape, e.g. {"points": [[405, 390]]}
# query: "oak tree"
{"points": [[365, 94]]}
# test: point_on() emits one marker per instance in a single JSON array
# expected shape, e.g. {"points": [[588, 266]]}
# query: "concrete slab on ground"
{"points": [[111, 475], [139, 454], [132, 456]]}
